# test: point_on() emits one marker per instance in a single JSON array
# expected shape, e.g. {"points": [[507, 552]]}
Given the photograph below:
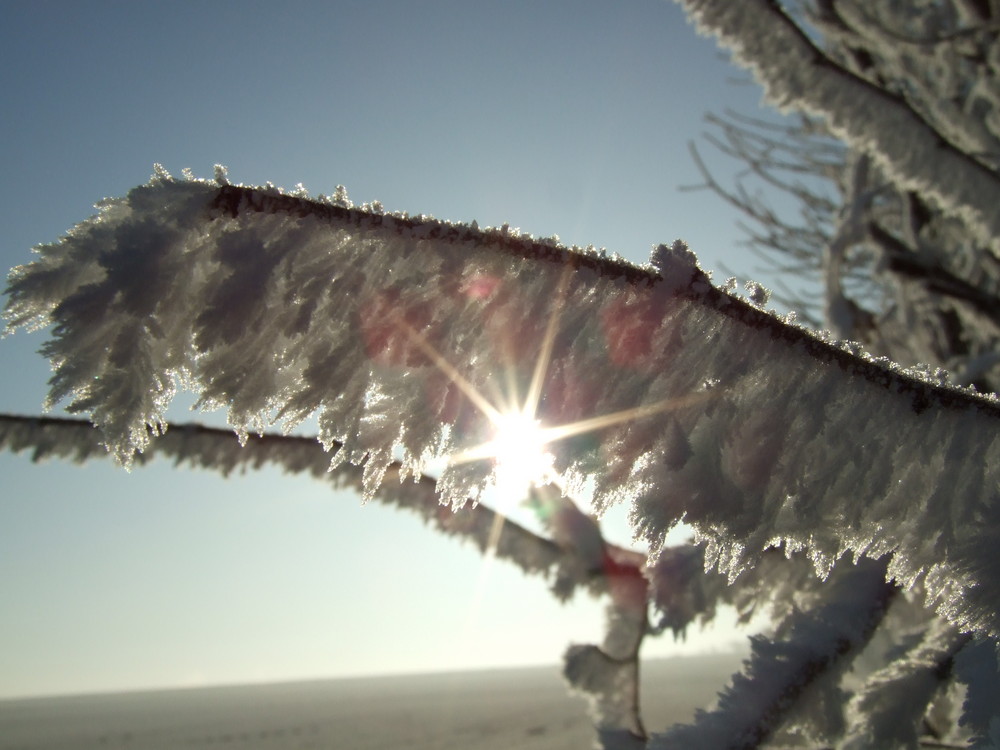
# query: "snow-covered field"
{"points": [[524, 708]]}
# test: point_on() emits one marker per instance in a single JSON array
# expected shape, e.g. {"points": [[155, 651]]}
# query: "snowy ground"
{"points": [[524, 708]]}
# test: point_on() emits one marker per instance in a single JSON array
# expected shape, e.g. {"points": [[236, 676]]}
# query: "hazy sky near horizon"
{"points": [[568, 118]]}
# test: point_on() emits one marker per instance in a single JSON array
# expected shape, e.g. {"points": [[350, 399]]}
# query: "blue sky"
{"points": [[568, 118]]}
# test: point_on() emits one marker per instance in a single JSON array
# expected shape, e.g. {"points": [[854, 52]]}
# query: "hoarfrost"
{"points": [[566, 565], [796, 74], [810, 656], [408, 335], [887, 711]]}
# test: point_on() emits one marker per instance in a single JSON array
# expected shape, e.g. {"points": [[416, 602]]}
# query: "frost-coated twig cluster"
{"points": [[883, 223], [905, 140], [897, 272], [754, 431], [677, 397]]}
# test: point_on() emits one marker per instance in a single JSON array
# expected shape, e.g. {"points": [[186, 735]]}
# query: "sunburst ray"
{"points": [[519, 443]]}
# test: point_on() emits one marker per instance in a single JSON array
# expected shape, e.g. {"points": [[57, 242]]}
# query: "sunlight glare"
{"points": [[519, 450]]}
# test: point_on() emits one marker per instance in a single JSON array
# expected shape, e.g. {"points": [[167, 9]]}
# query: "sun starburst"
{"points": [[520, 444]]}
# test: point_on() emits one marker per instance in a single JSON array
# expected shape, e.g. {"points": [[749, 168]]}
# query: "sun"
{"points": [[519, 445], [520, 454]]}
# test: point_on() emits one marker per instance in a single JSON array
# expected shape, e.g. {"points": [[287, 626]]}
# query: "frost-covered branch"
{"points": [[797, 74], [903, 271], [938, 61], [197, 446], [608, 674], [808, 655], [889, 709], [899, 277], [399, 332]]}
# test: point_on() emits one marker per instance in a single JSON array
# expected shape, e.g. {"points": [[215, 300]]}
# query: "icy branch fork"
{"points": [[268, 304]]}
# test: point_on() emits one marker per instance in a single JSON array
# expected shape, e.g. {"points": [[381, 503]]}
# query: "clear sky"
{"points": [[563, 117]]}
